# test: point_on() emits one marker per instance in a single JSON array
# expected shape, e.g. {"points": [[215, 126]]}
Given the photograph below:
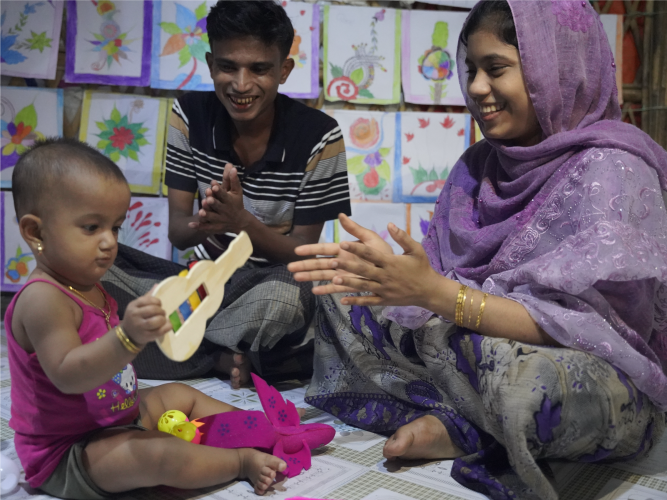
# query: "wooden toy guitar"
{"points": [[190, 298]]}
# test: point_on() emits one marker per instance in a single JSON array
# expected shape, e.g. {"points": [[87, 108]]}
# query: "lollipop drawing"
{"points": [[356, 76], [436, 64]]}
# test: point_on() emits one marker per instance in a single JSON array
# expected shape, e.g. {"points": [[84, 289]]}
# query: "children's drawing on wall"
{"points": [[127, 129], [180, 44], [30, 36], [375, 216], [436, 64], [28, 114], [17, 258], [418, 218], [431, 143], [429, 56], [366, 71], [108, 42], [146, 226], [303, 82], [370, 148]]}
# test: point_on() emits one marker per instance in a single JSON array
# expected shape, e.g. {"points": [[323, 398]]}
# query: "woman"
{"points": [[556, 224]]}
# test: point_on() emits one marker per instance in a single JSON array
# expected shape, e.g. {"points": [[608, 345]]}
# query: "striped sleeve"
{"points": [[180, 165], [324, 191]]}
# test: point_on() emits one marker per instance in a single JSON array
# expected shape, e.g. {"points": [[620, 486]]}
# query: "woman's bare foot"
{"points": [[259, 468], [236, 366], [424, 438]]}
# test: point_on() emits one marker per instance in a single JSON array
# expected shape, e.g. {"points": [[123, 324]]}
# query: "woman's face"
{"points": [[497, 87]]}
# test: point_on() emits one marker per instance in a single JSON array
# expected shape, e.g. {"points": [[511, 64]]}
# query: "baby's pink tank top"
{"points": [[48, 422]]}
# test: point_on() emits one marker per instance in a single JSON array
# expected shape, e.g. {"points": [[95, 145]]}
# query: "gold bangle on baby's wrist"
{"points": [[126, 341]]}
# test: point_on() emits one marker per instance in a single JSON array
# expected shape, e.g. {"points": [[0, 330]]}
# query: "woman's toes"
{"points": [[398, 444]]}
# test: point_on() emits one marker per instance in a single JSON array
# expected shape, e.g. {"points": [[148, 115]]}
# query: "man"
{"points": [[261, 163]]}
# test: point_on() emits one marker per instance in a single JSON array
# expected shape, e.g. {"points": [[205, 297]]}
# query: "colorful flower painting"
{"points": [[180, 44], [367, 71], [430, 143], [130, 130], [369, 144], [30, 35], [16, 259], [428, 56], [303, 82], [108, 42], [28, 114], [146, 226]]}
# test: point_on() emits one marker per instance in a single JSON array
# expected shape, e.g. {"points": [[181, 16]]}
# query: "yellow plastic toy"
{"points": [[169, 419], [193, 297]]}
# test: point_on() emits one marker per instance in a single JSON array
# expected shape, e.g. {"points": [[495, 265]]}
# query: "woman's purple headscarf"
{"points": [[495, 191]]}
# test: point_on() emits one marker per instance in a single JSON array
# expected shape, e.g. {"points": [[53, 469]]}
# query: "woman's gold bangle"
{"points": [[481, 311], [460, 303], [472, 297], [126, 342]]}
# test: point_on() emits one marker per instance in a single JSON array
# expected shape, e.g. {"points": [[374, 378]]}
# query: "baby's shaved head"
{"points": [[44, 169]]}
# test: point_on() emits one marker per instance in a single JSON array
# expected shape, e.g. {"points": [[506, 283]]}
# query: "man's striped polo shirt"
{"points": [[300, 180]]}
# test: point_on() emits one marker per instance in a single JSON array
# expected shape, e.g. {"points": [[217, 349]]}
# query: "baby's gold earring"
{"points": [[40, 248]]}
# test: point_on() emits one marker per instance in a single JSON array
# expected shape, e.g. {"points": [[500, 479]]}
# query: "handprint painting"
{"points": [[428, 56], [30, 34], [370, 147], [430, 145], [362, 62], [180, 44], [28, 114], [109, 42]]}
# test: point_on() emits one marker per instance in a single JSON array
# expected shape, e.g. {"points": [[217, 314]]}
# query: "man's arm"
{"points": [[222, 211], [181, 235]]}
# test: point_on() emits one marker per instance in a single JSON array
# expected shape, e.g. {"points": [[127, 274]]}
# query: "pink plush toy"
{"points": [[279, 431]]}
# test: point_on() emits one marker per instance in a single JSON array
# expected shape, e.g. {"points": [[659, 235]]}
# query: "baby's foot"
{"points": [[260, 468], [236, 365], [424, 438]]}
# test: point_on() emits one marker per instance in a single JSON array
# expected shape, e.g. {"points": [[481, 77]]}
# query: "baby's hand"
{"points": [[145, 320]]}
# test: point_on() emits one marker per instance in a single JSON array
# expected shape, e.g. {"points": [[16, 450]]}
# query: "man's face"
{"points": [[246, 74]]}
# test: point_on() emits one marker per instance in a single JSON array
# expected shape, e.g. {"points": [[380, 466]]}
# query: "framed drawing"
{"points": [[146, 227], [418, 217], [30, 38], [17, 258], [304, 81], [109, 42]]}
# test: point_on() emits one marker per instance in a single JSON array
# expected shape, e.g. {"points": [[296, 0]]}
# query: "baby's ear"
{"points": [[31, 230]]}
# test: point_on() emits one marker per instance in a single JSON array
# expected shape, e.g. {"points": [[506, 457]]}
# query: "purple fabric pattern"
{"points": [[565, 227]]}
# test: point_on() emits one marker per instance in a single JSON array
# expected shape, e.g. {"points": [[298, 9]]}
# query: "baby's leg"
{"points": [[195, 404], [121, 460]]}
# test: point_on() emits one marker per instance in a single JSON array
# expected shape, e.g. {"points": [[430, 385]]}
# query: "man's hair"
{"points": [[493, 16], [46, 166], [264, 20]]}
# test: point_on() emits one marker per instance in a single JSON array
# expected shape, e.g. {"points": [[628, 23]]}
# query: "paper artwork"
{"points": [[17, 258], [431, 143], [30, 38], [371, 152], [362, 54], [376, 217], [617, 489], [129, 129], [180, 44], [436, 475], [304, 81], [146, 226], [613, 28], [428, 56], [419, 217], [28, 114], [109, 42]]}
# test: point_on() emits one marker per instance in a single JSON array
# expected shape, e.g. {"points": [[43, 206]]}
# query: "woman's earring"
{"points": [[40, 248]]}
